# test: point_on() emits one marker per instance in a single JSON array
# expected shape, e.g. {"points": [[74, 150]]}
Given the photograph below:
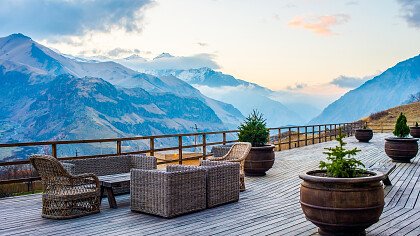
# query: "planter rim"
{"points": [[414, 127], [377, 176], [264, 147], [364, 130], [396, 139]]}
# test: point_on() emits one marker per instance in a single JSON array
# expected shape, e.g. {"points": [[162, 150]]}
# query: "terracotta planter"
{"points": [[259, 160], [363, 135], [415, 132], [342, 206], [401, 149]]}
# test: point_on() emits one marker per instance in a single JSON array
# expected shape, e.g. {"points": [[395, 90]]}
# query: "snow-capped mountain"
{"points": [[47, 96], [389, 89], [243, 95], [23, 50]]}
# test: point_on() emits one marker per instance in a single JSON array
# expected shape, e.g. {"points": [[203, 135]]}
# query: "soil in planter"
{"points": [[323, 174]]}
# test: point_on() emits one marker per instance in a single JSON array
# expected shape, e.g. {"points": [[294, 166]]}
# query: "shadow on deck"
{"points": [[269, 206]]}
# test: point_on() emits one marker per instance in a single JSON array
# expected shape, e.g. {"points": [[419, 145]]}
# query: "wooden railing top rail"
{"points": [[106, 140]]}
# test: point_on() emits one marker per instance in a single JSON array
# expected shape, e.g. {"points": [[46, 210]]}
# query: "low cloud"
{"points": [[122, 52], [297, 86], [411, 12], [44, 18], [203, 44], [173, 63], [319, 24], [350, 82]]}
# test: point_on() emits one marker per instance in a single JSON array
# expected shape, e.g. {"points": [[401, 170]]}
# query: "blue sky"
{"points": [[304, 46]]}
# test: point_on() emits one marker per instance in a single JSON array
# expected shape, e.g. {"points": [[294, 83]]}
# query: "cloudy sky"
{"points": [[295, 45]]}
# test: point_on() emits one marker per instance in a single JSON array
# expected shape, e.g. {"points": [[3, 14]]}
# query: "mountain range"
{"points": [[389, 89], [47, 96]]}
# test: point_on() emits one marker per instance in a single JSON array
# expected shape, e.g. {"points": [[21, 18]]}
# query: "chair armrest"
{"points": [[85, 179], [216, 158], [70, 168], [143, 162]]}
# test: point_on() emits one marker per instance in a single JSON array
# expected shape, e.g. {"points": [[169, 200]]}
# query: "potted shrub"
{"points": [[401, 148], [415, 131], [342, 198], [364, 134], [261, 157]]}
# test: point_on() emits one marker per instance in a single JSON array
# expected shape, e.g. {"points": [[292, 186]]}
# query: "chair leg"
{"points": [[242, 183]]}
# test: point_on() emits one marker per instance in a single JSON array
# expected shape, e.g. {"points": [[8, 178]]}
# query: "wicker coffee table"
{"points": [[108, 182]]}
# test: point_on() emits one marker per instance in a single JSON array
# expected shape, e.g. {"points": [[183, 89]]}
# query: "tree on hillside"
{"points": [[415, 97]]}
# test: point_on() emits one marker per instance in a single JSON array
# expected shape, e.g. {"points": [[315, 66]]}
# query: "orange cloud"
{"points": [[320, 24]]}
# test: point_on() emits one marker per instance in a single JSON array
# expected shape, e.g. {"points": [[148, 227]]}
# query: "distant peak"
{"points": [[19, 36], [134, 57], [163, 55]]}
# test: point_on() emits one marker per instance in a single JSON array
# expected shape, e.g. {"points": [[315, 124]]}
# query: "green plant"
{"points": [[342, 164], [365, 126], [417, 124], [254, 130], [401, 128]]}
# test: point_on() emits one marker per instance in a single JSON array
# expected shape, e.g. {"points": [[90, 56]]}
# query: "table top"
{"points": [[108, 180]]}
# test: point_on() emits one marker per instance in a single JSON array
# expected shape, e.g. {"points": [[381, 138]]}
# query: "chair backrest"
{"points": [[238, 151], [48, 167]]}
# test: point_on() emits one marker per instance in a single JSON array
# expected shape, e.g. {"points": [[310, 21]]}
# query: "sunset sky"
{"points": [[311, 46]]}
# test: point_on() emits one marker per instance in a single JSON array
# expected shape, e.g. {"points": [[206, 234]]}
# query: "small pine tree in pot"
{"points": [[261, 157], [333, 194], [401, 148], [415, 131], [254, 130]]}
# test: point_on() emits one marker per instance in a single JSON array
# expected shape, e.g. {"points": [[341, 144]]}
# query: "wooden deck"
{"points": [[270, 206]]}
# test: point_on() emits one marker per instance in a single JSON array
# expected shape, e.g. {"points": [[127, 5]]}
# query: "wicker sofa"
{"points": [[111, 165], [168, 193]]}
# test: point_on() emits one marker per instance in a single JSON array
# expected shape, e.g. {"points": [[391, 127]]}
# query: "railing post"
{"points": [[279, 139], [306, 135], [224, 138], [325, 132], [290, 138], [313, 134], [54, 150], [298, 136], [118, 147], [152, 146], [335, 130], [180, 150], [319, 134], [205, 145], [330, 132]]}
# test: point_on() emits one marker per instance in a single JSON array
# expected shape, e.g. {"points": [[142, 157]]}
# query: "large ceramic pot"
{"points": [[401, 149], [342, 206], [415, 132], [363, 135], [259, 160]]}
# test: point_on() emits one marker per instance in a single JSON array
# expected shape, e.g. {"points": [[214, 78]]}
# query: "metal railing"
{"points": [[282, 137]]}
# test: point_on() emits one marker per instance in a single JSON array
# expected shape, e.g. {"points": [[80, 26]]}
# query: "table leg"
{"points": [[386, 181], [111, 198], [102, 194]]}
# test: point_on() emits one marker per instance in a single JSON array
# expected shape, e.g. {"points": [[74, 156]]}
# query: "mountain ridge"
{"points": [[389, 89]]}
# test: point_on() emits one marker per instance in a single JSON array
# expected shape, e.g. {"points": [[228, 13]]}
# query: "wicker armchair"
{"points": [[111, 165], [168, 193], [66, 196], [237, 153], [222, 182]]}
